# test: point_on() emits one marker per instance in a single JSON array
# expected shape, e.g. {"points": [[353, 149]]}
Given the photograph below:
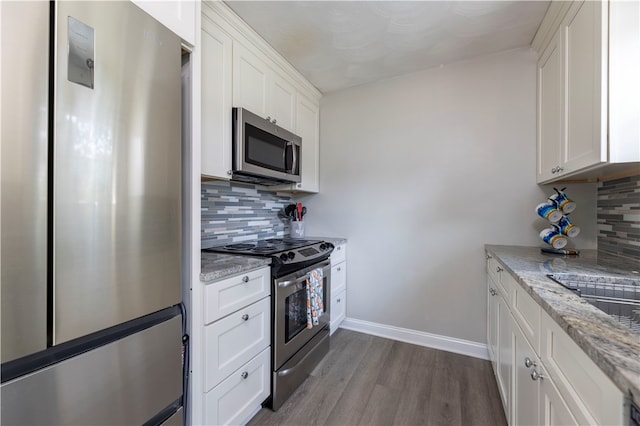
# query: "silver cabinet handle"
{"points": [[554, 170], [528, 363], [339, 269], [499, 269], [492, 292], [245, 279], [535, 375], [274, 121], [489, 256], [268, 118], [339, 248], [244, 375], [339, 300], [245, 317], [560, 169]]}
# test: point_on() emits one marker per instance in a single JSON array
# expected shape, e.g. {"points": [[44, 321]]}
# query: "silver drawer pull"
{"points": [[535, 375], [245, 279], [245, 317], [499, 269], [339, 269], [528, 363], [338, 300], [244, 375]]}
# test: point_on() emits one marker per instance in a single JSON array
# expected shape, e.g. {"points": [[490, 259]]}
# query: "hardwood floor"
{"points": [[369, 380]]}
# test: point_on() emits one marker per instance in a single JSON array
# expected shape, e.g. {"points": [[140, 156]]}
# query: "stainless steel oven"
{"points": [[297, 349]]}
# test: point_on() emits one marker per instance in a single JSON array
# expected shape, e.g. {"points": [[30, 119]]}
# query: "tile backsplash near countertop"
{"points": [[233, 212], [618, 212]]}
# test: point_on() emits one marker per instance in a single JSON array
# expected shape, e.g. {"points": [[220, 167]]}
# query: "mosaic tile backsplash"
{"points": [[232, 212], [619, 217]]}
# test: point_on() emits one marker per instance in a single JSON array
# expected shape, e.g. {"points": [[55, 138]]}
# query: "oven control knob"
{"points": [[284, 257], [291, 255], [323, 246]]}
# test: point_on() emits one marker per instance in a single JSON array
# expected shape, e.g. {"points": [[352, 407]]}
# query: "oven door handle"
{"points": [[285, 284]]}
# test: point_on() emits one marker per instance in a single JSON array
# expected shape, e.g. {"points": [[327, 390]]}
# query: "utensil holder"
{"points": [[297, 229]]}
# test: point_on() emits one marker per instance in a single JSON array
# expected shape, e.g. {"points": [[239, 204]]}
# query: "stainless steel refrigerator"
{"points": [[92, 321]]}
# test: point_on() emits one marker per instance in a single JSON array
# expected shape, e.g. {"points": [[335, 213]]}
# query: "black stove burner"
{"points": [[239, 246]]}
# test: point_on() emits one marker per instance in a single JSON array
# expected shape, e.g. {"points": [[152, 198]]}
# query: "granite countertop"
{"points": [[333, 240], [215, 266], [612, 346]]}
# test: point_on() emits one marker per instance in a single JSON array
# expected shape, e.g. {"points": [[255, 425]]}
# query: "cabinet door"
{"points": [[550, 135], [282, 102], [240, 395], [492, 322], [505, 350], [338, 277], [524, 406], [250, 81], [338, 309], [553, 410], [177, 15], [235, 339], [308, 128], [585, 34], [216, 101]]}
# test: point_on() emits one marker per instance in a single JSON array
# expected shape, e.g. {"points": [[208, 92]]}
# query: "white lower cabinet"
{"points": [[338, 286], [236, 351], [542, 374], [235, 398]]}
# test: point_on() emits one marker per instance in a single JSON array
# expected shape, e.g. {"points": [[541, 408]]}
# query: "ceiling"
{"points": [[340, 44]]}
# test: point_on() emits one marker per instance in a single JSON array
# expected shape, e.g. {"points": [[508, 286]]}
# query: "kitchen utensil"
{"points": [[299, 211]]}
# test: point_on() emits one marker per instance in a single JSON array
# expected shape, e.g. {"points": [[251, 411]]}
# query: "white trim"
{"points": [[420, 338]]}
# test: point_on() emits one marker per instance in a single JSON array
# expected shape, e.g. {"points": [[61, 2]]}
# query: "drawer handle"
{"points": [[535, 375], [499, 269], [244, 375], [338, 300], [245, 317], [339, 248], [245, 279], [489, 256], [339, 269], [528, 363], [492, 292]]}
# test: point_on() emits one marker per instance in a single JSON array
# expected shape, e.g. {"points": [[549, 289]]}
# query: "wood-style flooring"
{"points": [[369, 380]]}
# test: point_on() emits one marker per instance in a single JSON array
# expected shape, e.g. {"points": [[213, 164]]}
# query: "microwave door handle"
{"points": [[294, 165]]}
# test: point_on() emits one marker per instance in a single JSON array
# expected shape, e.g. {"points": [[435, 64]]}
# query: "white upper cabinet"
{"points": [[585, 43], [550, 111], [588, 91], [216, 47], [307, 127], [261, 90], [177, 15], [250, 75]]}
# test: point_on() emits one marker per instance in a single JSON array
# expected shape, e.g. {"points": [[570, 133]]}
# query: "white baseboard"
{"points": [[421, 338]]}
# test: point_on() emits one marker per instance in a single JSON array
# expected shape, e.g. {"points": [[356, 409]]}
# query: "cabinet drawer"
{"points": [[235, 339], [589, 393], [224, 297], [233, 400], [338, 277], [525, 310], [339, 254], [338, 309], [496, 271]]}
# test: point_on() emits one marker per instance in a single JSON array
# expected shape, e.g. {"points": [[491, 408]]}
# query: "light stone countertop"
{"points": [[333, 240], [216, 266], [613, 347]]}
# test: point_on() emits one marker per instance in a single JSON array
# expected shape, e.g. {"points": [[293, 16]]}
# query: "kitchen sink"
{"points": [[617, 296]]}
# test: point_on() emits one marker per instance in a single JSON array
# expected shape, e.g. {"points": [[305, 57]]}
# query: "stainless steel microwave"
{"points": [[264, 152]]}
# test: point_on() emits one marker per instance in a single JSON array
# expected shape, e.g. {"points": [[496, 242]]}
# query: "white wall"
{"points": [[419, 172]]}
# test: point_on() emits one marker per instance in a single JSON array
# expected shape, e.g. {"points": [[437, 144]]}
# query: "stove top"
{"points": [[282, 250]]}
